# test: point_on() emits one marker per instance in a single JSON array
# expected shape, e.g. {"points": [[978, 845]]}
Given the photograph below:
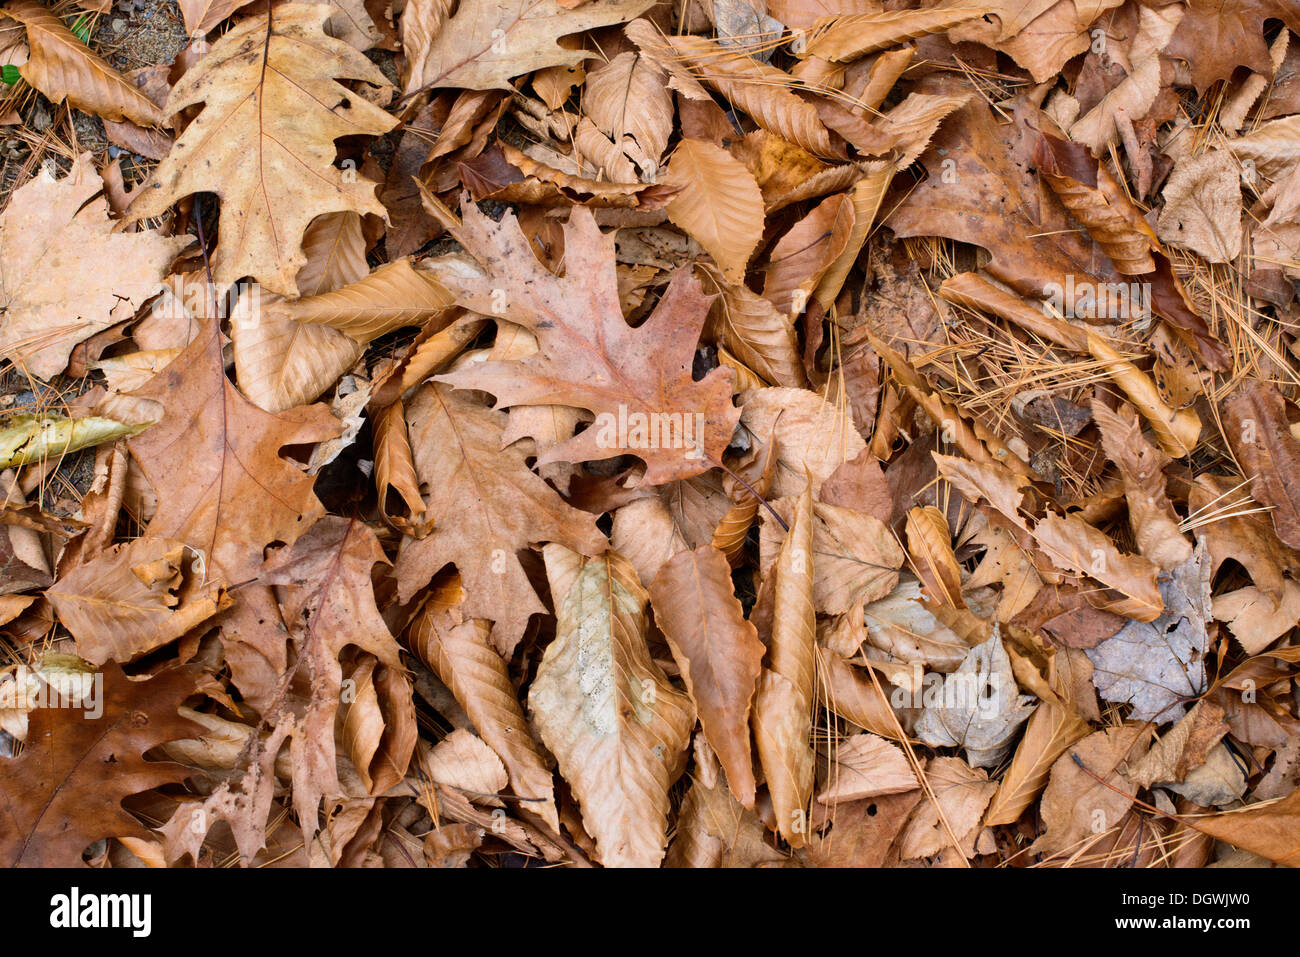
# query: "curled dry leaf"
{"points": [[62, 67], [134, 599], [786, 688], [718, 652], [482, 44], [459, 652]]}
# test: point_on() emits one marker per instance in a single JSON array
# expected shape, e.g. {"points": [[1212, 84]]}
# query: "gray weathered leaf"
{"points": [[981, 707], [1154, 665]]}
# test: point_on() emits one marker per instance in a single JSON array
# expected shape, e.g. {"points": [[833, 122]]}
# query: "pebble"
{"points": [[118, 25]]}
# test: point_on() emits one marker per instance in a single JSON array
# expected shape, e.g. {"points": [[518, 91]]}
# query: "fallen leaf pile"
{"points": [[730, 433]]}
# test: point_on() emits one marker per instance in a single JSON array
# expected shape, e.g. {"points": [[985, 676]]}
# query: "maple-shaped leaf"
{"points": [[637, 382], [66, 275], [1156, 666], [214, 460], [264, 141], [487, 42], [487, 504], [65, 791], [982, 707]]}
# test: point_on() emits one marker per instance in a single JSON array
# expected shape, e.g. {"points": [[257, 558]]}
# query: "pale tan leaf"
{"points": [[1051, 730], [961, 793], [863, 766], [60, 65], [628, 100], [857, 556], [393, 296], [485, 43], [813, 435], [461, 760], [281, 363], [264, 141], [759, 334], [718, 204], [67, 275], [845, 38], [617, 727]]}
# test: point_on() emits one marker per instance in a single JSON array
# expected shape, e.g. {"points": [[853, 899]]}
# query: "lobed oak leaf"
{"points": [[590, 358], [328, 603], [67, 275], [487, 505], [1214, 38], [264, 141], [65, 791]]}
